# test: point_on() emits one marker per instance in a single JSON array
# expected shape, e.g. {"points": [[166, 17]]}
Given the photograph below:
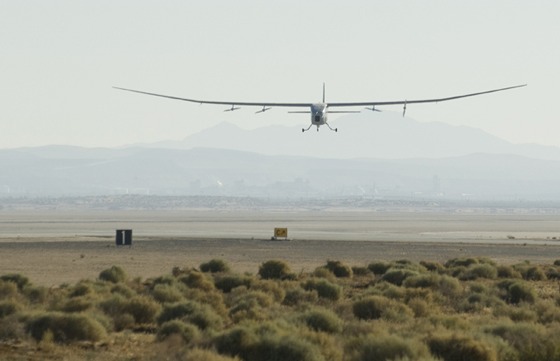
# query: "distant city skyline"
{"points": [[60, 59]]}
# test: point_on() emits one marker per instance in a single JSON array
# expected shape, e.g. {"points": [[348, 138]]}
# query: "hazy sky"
{"points": [[59, 59]]}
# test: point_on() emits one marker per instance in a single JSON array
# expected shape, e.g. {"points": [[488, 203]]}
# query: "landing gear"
{"points": [[334, 130], [305, 130]]}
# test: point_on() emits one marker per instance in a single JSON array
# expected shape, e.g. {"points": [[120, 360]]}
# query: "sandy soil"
{"points": [[54, 247]]}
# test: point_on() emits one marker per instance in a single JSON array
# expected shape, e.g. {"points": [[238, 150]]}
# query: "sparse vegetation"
{"points": [[65, 327], [339, 269], [324, 288], [214, 266], [464, 309], [277, 270], [187, 332], [114, 274], [322, 320]]}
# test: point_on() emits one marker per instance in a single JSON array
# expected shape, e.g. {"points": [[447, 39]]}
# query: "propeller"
{"points": [[264, 109], [404, 109], [233, 107], [373, 109]]}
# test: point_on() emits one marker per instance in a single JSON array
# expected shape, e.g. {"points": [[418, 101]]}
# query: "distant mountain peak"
{"points": [[385, 135]]}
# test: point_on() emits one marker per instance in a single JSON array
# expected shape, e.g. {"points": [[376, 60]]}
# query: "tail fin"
{"points": [[323, 92]]}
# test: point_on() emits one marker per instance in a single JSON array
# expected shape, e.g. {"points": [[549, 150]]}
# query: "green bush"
{"points": [[11, 328], [164, 280], [81, 289], [200, 354], [445, 285], [522, 314], [360, 271], [388, 290], [123, 321], [450, 287], [123, 290], [454, 347], [142, 309], [275, 269], [202, 316], [36, 294], [324, 288], [197, 280], [552, 273], [477, 302], [370, 308], [205, 355], [535, 274], [385, 348], [187, 332], [322, 320], [519, 292], [461, 262], [283, 348], [165, 293], [547, 311], [515, 292], [114, 274], [420, 307], [248, 304], [19, 280], [65, 327], [482, 270], [397, 276], [375, 307], [505, 271], [256, 345], [429, 280], [77, 304], [338, 269], [228, 283], [215, 266], [531, 341], [113, 305], [8, 308], [297, 296], [378, 268], [237, 341], [323, 272], [8, 290], [270, 287], [432, 266], [530, 272]]}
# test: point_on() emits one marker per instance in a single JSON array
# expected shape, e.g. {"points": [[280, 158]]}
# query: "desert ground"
{"points": [[52, 247]]}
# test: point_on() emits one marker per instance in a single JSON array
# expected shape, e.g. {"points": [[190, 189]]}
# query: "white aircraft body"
{"points": [[320, 110]]}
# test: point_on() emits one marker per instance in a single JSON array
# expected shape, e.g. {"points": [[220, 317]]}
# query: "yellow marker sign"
{"points": [[281, 232]]}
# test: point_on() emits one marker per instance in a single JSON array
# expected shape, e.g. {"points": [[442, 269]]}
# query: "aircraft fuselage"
{"points": [[319, 114]]}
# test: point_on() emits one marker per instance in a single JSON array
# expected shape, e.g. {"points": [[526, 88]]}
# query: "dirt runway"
{"points": [[63, 247]]}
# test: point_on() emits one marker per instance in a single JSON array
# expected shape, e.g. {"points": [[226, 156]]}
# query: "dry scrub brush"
{"points": [[467, 308]]}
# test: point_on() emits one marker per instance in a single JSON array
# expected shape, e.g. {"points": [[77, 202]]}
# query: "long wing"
{"points": [[396, 102], [223, 102], [266, 105]]}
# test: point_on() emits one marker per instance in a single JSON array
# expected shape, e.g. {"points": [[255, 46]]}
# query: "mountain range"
{"points": [[371, 156], [385, 135]]}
